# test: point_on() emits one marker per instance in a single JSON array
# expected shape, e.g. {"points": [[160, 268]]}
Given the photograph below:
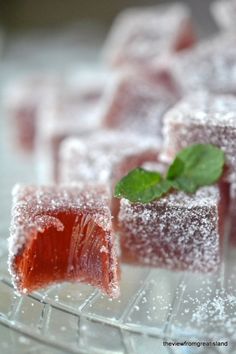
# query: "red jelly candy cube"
{"points": [[62, 234], [137, 104], [179, 231], [73, 111], [209, 66], [23, 99], [140, 35], [203, 118], [104, 157]]}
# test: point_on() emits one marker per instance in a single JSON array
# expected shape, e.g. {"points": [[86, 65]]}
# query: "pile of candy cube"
{"points": [[163, 91]]}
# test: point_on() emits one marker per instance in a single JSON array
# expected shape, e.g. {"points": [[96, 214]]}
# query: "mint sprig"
{"points": [[193, 167]]}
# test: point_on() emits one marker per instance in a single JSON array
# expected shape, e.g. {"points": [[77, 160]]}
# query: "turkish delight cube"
{"points": [[137, 104], [62, 234], [224, 13], [178, 231], [203, 118], [210, 66], [70, 112], [142, 34], [104, 157], [23, 98]]}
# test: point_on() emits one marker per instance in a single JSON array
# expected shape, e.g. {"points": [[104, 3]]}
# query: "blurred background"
{"points": [[16, 15]]}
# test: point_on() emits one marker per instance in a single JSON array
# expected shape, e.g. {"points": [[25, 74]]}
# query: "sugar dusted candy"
{"points": [[224, 13], [142, 34], [23, 98], [211, 66], [68, 112], [137, 104], [105, 157], [62, 234], [203, 118], [178, 231]]}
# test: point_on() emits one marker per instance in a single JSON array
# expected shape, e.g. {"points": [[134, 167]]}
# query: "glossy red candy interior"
{"points": [[62, 234], [72, 254]]}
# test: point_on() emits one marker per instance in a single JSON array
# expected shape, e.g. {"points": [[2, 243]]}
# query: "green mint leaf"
{"points": [[159, 190], [175, 169], [184, 184], [195, 166], [142, 186]]}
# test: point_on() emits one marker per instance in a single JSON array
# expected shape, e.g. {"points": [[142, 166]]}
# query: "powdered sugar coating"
{"points": [[141, 34], [224, 13], [203, 118], [137, 104], [209, 66], [101, 158], [35, 209], [178, 231]]}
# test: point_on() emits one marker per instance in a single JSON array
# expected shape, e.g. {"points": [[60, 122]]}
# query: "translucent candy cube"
{"points": [[70, 112], [224, 13], [178, 231], [104, 157], [210, 66], [62, 234], [137, 104], [203, 118], [23, 98], [142, 34]]}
